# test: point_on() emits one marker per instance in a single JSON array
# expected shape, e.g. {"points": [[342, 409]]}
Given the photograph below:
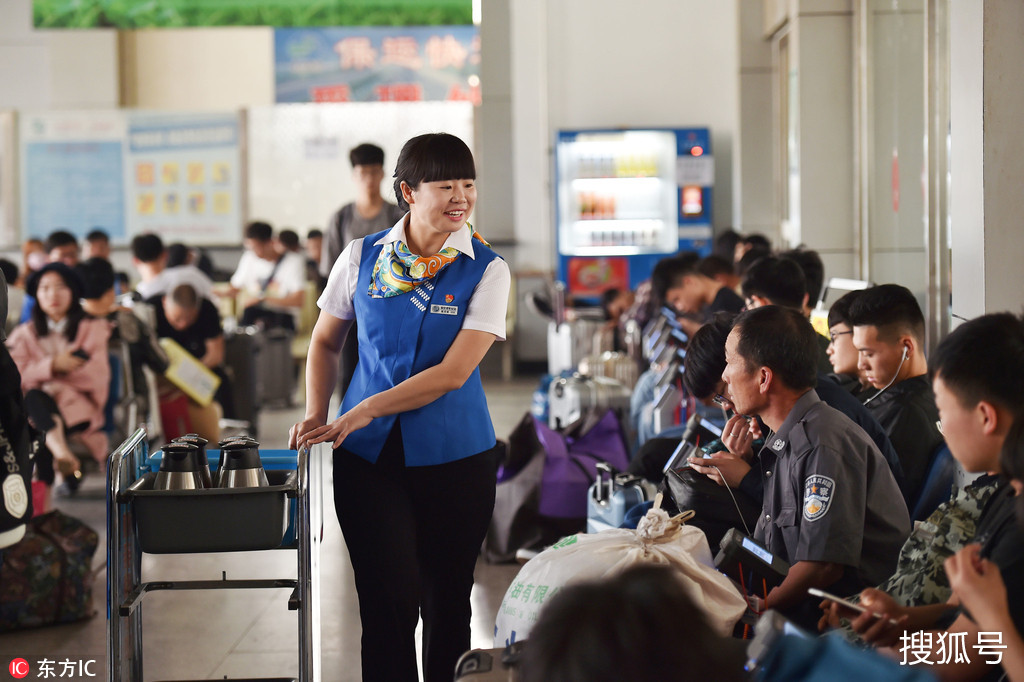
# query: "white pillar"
{"points": [[822, 40], [495, 209], [986, 156], [753, 191]]}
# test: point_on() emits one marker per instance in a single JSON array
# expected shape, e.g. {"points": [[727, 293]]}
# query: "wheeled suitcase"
{"points": [[277, 368], [618, 366], [242, 356], [490, 665], [572, 398], [611, 496], [571, 341]]}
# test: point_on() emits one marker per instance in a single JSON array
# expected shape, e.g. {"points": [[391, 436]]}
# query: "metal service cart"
{"points": [[285, 515]]}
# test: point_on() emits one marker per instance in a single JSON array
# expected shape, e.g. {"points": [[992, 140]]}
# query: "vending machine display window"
{"points": [[624, 199]]}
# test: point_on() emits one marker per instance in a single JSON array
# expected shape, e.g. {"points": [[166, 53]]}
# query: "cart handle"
{"points": [[117, 458]]}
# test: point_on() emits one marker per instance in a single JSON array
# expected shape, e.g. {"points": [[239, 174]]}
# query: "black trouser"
{"points": [[413, 535], [42, 411]]}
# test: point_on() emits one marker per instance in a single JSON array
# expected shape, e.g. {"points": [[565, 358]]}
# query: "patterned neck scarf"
{"points": [[399, 271]]}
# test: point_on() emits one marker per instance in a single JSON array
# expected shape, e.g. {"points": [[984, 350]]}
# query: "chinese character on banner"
{"points": [[446, 51], [67, 668], [400, 92], [952, 648], [401, 51], [458, 93], [918, 644], [989, 645], [356, 53], [475, 50], [331, 93]]}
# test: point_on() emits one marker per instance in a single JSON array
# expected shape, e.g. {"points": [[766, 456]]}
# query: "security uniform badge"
{"points": [[818, 491]]}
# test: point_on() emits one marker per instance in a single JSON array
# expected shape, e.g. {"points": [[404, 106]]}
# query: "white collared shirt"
{"points": [[486, 308], [57, 327]]}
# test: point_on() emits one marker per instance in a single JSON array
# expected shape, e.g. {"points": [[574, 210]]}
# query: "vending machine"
{"points": [[625, 199]]}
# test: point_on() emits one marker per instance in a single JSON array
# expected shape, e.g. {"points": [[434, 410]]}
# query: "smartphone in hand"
{"points": [[815, 592], [79, 353]]}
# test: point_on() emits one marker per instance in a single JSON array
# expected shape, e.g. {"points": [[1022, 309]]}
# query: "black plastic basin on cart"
{"points": [[211, 519]]}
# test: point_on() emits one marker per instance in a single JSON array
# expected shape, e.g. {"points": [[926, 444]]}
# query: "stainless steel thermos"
{"points": [[204, 463], [179, 468], [240, 464]]}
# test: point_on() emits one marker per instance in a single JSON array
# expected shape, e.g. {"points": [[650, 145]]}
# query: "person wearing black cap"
{"points": [[65, 369]]}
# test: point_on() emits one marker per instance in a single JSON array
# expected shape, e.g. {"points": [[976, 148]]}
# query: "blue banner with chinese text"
{"points": [[377, 64]]}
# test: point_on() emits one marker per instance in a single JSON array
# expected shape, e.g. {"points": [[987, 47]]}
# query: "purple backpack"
{"points": [[542, 486]]}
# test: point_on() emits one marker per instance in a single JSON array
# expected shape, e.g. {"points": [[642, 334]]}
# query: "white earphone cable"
{"points": [[893, 380]]}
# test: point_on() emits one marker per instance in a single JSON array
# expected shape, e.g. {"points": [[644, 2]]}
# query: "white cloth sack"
{"points": [[658, 539]]}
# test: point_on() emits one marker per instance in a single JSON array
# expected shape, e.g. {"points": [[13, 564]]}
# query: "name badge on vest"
{"points": [[444, 309]]}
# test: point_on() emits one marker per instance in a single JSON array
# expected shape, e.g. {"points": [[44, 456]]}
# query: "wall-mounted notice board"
{"points": [[132, 172]]}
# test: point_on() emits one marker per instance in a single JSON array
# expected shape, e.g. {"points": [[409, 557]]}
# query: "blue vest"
{"points": [[403, 335]]}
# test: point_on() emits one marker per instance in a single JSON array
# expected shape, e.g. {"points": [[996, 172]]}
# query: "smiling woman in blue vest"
{"points": [[414, 459]]}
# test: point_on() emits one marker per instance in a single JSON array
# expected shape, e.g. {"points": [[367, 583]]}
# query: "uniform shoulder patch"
{"points": [[818, 492]]}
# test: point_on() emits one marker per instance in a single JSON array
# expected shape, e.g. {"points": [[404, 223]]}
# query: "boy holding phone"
{"points": [[976, 373]]}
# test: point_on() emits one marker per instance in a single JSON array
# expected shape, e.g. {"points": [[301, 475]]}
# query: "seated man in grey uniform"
{"points": [[832, 508]]}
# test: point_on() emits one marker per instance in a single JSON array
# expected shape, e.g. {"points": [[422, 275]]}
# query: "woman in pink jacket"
{"points": [[65, 367]]}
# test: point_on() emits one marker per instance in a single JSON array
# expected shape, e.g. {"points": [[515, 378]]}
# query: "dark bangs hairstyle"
{"points": [[839, 313], [75, 311], [429, 158], [705, 356]]}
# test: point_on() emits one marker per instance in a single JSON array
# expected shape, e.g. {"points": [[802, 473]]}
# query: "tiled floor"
{"points": [[249, 633]]}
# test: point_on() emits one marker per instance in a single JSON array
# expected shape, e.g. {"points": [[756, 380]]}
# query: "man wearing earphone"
{"points": [[888, 332]]}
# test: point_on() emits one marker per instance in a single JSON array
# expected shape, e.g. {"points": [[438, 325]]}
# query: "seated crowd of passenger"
{"points": [[840, 440], [837, 438], [69, 312]]}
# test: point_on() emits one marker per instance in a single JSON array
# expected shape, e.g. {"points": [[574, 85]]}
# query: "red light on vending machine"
{"points": [[696, 150], [692, 201]]}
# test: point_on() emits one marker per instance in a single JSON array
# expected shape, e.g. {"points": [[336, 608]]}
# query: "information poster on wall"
{"points": [[377, 64], [182, 177], [71, 172]]}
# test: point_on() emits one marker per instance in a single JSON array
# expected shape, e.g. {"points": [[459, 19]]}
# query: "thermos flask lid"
{"points": [[180, 457]]}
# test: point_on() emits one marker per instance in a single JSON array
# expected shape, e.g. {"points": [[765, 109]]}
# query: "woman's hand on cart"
{"points": [[311, 431], [298, 434]]}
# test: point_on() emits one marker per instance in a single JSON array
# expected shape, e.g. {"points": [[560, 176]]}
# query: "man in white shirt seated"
{"points": [[274, 283], [150, 260]]}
